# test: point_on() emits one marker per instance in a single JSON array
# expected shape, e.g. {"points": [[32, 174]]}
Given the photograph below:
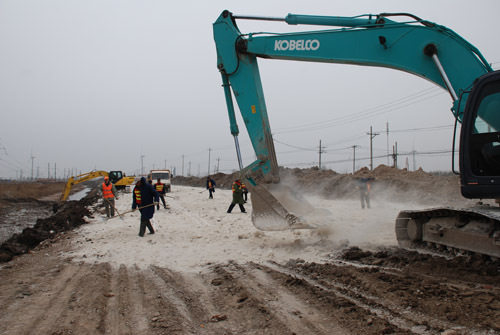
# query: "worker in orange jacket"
{"points": [[109, 194]]}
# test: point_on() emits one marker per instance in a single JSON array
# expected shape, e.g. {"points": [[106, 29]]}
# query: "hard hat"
{"points": [[106, 178]]}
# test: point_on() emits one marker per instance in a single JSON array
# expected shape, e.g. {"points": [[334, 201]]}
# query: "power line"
{"points": [[422, 129], [294, 146], [363, 112], [367, 113]]}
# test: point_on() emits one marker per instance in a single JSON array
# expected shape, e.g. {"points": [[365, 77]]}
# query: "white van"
{"points": [[165, 177]]}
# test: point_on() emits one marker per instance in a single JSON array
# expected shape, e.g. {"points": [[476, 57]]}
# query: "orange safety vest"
{"points": [[107, 191], [159, 187], [137, 194]]}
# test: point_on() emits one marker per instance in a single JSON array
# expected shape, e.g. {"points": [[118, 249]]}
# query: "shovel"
{"points": [[116, 210], [133, 210]]}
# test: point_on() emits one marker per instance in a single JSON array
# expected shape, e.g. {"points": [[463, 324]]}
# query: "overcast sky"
{"points": [[99, 84]]}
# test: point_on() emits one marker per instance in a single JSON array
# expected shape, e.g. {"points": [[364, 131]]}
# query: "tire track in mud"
{"points": [[299, 315], [42, 320], [182, 297], [87, 307], [134, 295], [250, 308], [399, 316], [117, 317], [457, 283]]}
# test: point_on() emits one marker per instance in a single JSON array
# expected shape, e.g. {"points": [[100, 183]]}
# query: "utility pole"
{"points": [[354, 158], [189, 168], [209, 150], [37, 171], [198, 170], [395, 155], [55, 171], [217, 170], [32, 165], [142, 165], [372, 135], [183, 165], [387, 133], [165, 164], [48, 170], [414, 162], [320, 152]]}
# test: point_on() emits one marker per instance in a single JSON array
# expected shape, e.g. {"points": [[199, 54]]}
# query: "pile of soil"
{"points": [[67, 216], [387, 183]]}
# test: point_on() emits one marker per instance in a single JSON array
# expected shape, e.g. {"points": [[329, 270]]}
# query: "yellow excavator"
{"points": [[116, 177]]}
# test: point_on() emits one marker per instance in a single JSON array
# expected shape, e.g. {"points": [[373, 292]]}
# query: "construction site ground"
{"points": [[208, 272]]}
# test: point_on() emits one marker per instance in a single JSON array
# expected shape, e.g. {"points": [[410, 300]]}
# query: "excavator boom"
{"points": [[116, 177], [415, 46]]}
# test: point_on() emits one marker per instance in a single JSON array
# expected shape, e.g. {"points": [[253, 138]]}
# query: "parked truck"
{"points": [[165, 177]]}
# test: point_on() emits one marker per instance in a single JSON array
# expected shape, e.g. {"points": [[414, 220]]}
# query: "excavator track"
{"points": [[474, 229]]}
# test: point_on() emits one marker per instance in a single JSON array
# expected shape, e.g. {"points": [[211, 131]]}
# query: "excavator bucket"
{"points": [[270, 208]]}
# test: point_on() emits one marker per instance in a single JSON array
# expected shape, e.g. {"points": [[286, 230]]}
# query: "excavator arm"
{"points": [[80, 179], [418, 47]]}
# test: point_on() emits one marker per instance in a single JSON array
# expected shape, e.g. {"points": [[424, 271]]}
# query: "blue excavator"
{"points": [[409, 44]]}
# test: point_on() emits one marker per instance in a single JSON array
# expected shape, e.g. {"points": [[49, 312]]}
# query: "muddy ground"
{"points": [[384, 290]]}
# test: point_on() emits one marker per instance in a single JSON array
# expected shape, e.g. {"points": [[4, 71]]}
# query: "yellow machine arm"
{"points": [[116, 177], [80, 179]]}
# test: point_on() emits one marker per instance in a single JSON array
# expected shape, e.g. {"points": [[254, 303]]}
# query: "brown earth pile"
{"points": [[68, 216], [389, 183]]}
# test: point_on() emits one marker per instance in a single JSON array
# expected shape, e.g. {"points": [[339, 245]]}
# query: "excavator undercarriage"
{"points": [[475, 229]]}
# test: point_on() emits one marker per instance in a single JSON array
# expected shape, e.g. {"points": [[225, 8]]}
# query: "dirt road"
{"points": [[206, 272]]}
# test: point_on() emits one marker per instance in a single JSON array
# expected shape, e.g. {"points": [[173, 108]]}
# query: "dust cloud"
{"points": [[196, 231], [344, 222]]}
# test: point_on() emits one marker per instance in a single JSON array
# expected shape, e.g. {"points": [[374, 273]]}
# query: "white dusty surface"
{"points": [[196, 231]]}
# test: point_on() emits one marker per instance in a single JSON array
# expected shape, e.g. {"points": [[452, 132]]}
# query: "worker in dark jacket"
{"points": [[161, 189], [145, 197], [210, 187], [245, 192], [237, 196], [364, 191]]}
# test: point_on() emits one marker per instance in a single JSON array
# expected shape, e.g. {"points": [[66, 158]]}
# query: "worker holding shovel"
{"points": [[145, 198], [109, 194]]}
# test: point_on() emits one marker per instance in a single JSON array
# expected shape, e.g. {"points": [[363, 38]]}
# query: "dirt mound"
{"points": [[474, 268], [222, 180], [68, 216], [391, 184]]}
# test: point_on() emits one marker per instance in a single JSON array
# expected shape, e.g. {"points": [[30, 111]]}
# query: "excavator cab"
{"points": [[480, 139], [114, 176]]}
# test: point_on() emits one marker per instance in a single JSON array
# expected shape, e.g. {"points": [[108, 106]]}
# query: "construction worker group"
{"points": [[145, 196]]}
